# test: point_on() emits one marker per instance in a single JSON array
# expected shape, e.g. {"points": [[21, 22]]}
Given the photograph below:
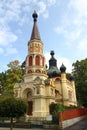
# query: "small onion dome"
{"points": [[63, 68], [35, 15], [71, 78]]}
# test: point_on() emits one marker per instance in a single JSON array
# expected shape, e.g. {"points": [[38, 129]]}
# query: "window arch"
{"points": [[37, 71], [29, 94], [70, 95], [37, 60], [29, 71], [58, 79], [38, 90], [42, 61], [30, 61]]}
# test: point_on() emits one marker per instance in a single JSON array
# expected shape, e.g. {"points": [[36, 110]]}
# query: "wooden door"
{"points": [[30, 107]]}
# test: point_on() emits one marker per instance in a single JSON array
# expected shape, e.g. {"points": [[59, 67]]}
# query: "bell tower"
{"points": [[35, 60]]}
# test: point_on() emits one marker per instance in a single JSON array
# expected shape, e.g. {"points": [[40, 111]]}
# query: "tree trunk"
{"points": [[11, 123]]}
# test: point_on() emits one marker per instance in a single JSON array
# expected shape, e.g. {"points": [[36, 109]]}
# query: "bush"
{"points": [[56, 108]]}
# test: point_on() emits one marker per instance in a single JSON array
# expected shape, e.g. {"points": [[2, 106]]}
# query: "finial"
{"points": [[35, 15], [52, 53], [62, 68]]}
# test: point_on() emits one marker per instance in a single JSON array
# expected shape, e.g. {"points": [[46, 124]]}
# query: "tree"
{"points": [[80, 75], [11, 76], [12, 108]]}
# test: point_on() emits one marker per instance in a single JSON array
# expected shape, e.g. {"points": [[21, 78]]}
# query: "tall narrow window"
{"points": [[37, 60], [42, 61], [29, 94], [38, 90], [30, 61], [70, 95]]}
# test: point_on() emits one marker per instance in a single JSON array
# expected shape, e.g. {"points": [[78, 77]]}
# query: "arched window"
{"points": [[42, 61], [37, 71], [29, 71], [58, 79], [29, 94], [70, 95], [37, 60], [38, 90], [30, 61]]}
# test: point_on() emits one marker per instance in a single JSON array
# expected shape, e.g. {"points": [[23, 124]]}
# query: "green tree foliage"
{"points": [[80, 75], [68, 76], [56, 108], [11, 76], [11, 107]]}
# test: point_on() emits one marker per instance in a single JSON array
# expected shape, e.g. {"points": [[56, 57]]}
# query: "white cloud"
{"points": [[70, 34], [51, 2], [11, 50], [42, 9], [79, 10], [82, 48], [46, 14], [60, 60], [82, 45], [17, 11], [73, 23], [80, 6], [67, 63], [7, 37], [43, 6], [60, 29]]}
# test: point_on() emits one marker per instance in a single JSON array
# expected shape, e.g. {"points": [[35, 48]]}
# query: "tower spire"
{"points": [[35, 33]]}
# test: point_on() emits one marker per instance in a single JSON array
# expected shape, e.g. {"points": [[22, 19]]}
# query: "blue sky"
{"points": [[62, 25]]}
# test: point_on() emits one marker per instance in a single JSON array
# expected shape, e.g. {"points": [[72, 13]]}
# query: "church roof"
{"points": [[53, 71], [35, 33]]}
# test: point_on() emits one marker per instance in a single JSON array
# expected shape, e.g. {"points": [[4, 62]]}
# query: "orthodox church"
{"points": [[42, 86]]}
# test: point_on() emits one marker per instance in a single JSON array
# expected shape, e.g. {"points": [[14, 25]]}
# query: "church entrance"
{"points": [[30, 107]]}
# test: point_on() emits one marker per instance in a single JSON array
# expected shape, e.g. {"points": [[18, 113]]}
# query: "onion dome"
{"points": [[35, 33], [53, 70], [71, 78], [63, 68], [23, 64]]}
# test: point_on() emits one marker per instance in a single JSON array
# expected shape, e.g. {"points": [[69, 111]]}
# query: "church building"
{"points": [[42, 86]]}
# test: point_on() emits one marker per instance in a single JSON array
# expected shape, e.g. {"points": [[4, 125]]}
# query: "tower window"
{"points": [[51, 91], [30, 61], [29, 94], [70, 95], [42, 61], [29, 71], [38, 90], [37, 60], [37, 71]]}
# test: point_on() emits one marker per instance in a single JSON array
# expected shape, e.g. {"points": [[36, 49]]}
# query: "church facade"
{"points": [[42, 86]]}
